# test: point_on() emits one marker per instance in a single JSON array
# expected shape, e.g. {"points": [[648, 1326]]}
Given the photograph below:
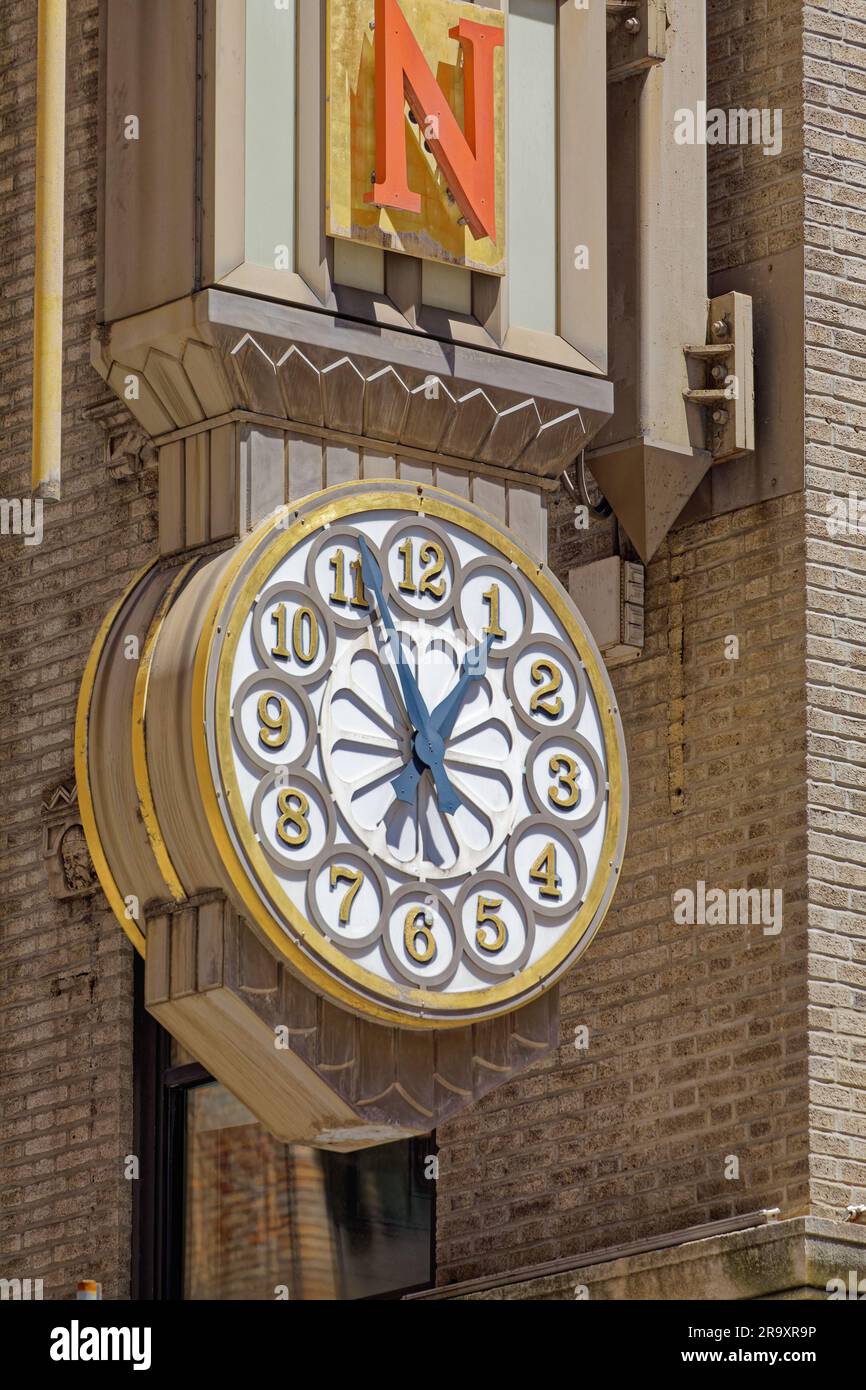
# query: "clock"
{"points": [[410, 755]]}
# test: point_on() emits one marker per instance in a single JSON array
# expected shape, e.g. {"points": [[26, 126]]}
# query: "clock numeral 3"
{"points": [[343, 874], [565, 793], [485, 916], [276, 728], [418, 923], [431, 555], [293, 826], [543, 871], [548, 676]]}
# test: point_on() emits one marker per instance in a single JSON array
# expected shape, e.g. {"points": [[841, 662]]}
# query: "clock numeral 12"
{"points": [[431, 583]]}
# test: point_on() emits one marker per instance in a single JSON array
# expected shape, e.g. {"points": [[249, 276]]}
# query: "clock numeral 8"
{"points": [[276, 728], [485, 916], [419, 920], [305, 634], [293, 825]]}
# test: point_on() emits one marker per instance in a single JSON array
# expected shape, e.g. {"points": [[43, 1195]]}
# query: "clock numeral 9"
{"points": [[419, 920], [305, 634], [431, 583], [485, 915], [276, 728], [494, 628], [548, 676], [337, 563], [543, 871], [565, 793], [343, 874], [293, 825]]}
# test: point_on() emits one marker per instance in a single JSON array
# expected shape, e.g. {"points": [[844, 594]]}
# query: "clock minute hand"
{"points": [[444, 716]]}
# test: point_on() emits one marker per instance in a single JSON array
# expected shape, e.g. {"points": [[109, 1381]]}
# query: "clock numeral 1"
{"points": [[305, 634], [275, 729], [418, 922], [293, 825], [343, 874], [337, 563], [548, 676], [431, 555], [485, 915], [543, 871], [565, 793], [493, 628]]}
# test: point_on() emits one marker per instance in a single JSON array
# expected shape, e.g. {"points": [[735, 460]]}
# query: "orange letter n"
{"points": [[468, 161]]}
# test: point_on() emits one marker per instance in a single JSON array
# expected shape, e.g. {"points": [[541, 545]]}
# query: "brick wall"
{"points": [[835, 239], [65, 968]]}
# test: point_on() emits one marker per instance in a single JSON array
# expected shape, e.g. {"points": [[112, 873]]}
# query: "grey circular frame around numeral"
{"points": [[558, 828], [295, 777], [566, 655], [328, 536], [419, 892], [314, 915], [310, 600], [420, 522], [471, 951], [583, 745], [494, 562], [293, 691]]}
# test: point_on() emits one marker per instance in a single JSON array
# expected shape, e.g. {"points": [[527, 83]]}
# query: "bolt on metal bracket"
{"points": [[636, 37], [726, 364]]}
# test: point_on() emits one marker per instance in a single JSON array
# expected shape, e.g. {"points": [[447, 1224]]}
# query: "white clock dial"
{"points": [[416, 755]]}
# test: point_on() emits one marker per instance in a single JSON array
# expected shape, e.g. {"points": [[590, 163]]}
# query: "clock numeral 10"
{"points": [[431, 555], [343, 874], [494, 628], [276, 728], [418, 922], [543, 872], [293, 825], [337, 563], [485, 915], [548, 676], [305, 634]]}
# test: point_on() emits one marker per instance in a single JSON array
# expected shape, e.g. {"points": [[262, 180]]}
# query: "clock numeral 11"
{"points": [[337, 563]]}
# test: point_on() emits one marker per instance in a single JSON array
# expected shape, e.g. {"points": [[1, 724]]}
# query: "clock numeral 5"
{"points": [[485, 916], [343, 874]]}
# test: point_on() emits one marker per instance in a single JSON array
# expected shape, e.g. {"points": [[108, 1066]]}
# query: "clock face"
{"points": [[411, 755]]}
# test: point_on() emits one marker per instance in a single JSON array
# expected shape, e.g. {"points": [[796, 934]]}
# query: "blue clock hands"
{"points": [[428, 743], [445, 716]]}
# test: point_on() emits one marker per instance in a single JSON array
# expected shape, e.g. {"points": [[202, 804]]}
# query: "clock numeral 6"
{"points": [[431, 555], [419, 920], [543, 871], [565, 793], [485, 916], [305, 634], [275, 728], [343, 874], [293, 825], [548, 676]]}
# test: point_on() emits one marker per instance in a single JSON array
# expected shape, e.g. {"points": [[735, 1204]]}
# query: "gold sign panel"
{"points": [[416, 129]]}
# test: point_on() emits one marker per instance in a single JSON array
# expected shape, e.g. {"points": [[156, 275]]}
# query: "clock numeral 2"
{"points": [[343, 874], [543, 871], [275, 729], [431, 555], [485, 915], [418, 923], [305, 634], [547, 675], [337, 563], [293, 825]]}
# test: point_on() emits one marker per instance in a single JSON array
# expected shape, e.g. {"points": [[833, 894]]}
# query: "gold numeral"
{"points": [[275, 729], [565, 793], [343, 874], [544, 872], [337, 563], [485, 915], [293, 826], [415, 926], [493, 628], [305, 634], [548, 676], [431, 555], [279, 618]]}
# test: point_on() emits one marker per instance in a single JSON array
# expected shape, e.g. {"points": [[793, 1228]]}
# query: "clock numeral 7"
{"points": [[543, 872], [343, 874], [485, 915]]}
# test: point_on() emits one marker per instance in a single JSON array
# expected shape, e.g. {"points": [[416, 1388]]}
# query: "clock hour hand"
{"points": [[444, 717], [428, 747]]}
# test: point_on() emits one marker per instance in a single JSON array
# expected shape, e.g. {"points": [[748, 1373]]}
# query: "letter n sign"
{"points": [[416, 129]]}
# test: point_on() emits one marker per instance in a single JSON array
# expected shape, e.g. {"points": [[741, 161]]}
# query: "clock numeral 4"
{"points": [[543, 872], [343, 874]]}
